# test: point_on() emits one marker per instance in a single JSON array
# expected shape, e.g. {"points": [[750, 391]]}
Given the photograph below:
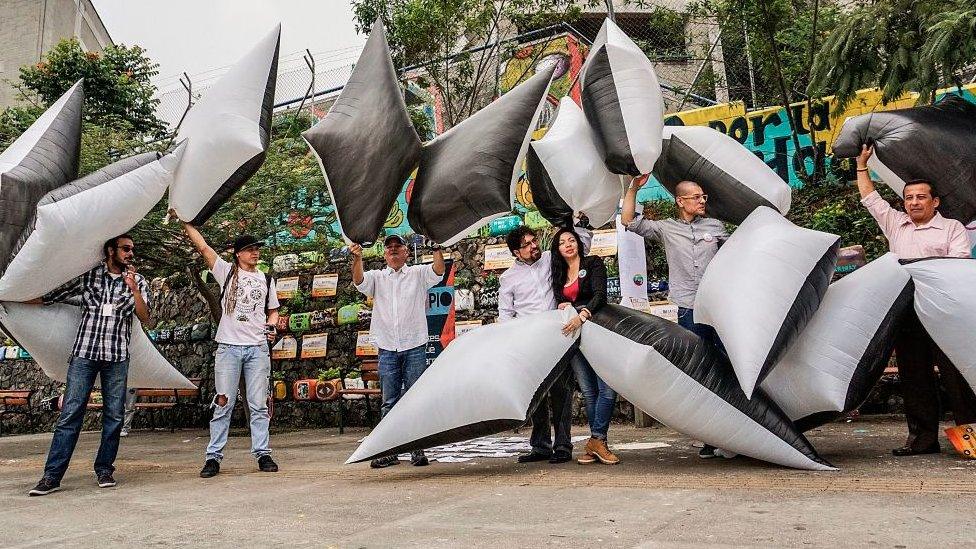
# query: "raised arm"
{"points": [[629, 209], [356, 251], [864, 184], [209, 255], [439, 265]]}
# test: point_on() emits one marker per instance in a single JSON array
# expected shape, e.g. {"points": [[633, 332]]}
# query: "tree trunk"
{"points": [[213, 302]]}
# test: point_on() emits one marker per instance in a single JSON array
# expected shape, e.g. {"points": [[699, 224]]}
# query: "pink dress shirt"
{"points": [[939, 237]]}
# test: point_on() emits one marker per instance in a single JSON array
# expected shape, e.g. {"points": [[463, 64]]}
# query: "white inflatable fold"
{"points": [[48, 333]]}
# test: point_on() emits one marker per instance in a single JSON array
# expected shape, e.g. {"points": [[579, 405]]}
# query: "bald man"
{"points": [[690, 242]]}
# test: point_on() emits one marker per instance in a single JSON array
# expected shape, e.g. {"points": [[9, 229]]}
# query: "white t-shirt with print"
{"points": [[246, 325]]}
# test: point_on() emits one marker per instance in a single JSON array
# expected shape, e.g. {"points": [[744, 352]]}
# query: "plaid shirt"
{"points": [[101, 337]]}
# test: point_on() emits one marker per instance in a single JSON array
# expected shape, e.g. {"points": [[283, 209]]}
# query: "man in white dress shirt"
{"points": [[399, 323]]}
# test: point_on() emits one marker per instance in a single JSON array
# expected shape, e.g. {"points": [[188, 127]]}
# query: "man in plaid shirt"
{"points": [[109, 294]]}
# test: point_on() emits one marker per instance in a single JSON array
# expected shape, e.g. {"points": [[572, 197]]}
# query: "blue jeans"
{"points": [[399, 370], [254, 363], [80, 380], [686, 319], [599, 397]]}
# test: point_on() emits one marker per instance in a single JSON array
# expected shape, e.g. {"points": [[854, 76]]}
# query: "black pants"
{"points": [[556, 409], [916, 355]]}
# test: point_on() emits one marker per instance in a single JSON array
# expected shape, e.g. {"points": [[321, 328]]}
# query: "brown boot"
{"points": [[598, 447], [586, 459]]}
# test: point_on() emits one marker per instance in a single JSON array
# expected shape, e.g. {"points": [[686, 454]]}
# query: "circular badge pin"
{"points": [[707, 237], [582, 273]]}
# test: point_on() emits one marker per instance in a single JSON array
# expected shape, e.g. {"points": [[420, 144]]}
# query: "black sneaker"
{"points": [[560, 456], [419, 459], [210, 468], [45, 487], [105, 480], [533, 456], [382, 462], [267, 465], [707, 452]]}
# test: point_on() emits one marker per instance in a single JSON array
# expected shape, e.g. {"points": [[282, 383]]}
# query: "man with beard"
{"points": [[110, 294]]}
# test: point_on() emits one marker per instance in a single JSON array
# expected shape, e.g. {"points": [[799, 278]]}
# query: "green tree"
{"points": [[118, 88], [898, 46]]}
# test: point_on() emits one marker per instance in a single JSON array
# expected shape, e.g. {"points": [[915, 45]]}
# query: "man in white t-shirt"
{"points": [[250, 313], [399, 323]]}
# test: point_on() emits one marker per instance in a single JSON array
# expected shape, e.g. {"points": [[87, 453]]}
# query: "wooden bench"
{"points": [[16, 401], [174, 398], [369, 370]]}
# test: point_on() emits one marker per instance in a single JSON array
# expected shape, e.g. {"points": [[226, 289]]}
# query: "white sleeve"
{"points": [[431, 278], [273, 296], [220, 270], [506, 301], [368, 285]]}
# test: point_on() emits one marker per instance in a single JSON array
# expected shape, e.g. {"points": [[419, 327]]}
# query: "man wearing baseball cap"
{"points": [[249, 313], [399, 323]]}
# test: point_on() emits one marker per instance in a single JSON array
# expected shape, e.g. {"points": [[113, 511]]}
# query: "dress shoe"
{"points": [[533, 456], [560, 456], [909, 451]]}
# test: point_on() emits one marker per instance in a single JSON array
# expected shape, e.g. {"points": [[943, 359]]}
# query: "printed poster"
{"points": [[497, 257], [632, 263], [440, 314], [287, 347], [604, 243], [365, 344], [462, 327], [665, 310], [286, 287], [325, 285], [315, 345]]}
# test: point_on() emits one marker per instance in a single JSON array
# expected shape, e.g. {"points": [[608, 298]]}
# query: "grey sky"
{"points": [[198, 36]]}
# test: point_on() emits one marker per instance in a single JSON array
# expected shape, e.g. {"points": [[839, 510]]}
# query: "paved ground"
{"points": [[663, 497]]}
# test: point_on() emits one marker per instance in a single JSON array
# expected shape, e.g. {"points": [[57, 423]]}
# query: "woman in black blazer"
{"points": [[581, 283]]}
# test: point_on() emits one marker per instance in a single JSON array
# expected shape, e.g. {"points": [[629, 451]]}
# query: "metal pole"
{"points": [[610, 13], [701, 67]]}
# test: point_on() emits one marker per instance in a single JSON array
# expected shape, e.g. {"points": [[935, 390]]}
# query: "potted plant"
{"points": [[463, 296], [489, 292]]}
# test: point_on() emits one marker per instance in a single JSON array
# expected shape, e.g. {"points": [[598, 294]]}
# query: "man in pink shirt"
{"points": [[920, 231]]}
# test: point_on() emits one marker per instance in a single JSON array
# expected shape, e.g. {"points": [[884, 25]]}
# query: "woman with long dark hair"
{"points": [[581, 283]]}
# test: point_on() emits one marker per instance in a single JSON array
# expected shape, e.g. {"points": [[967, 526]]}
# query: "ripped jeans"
{"points": [[254, 363]]}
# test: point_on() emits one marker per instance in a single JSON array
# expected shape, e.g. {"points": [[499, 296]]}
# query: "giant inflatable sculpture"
{"points": [[687, 384], [931, 142], [567, 175], [622, 101], [481, 384], [467, 175], [366, 145], [762, 288], [735, 180], [842, 353], [227, 133], [44, 158]]}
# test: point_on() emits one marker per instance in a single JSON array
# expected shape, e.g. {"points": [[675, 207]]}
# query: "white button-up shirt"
{"points": [[399, 305], [526, 289]]}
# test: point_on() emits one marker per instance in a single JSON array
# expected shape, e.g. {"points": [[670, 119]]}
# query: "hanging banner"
{"points": [[440, 313], [325, 285], [315, 345], [604, 243], [286, 287], [287, 347], [632, 263], [365, 344], [497, 257]]}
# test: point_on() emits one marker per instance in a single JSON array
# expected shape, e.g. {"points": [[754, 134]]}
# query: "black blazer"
{"points": [[592, 286]]}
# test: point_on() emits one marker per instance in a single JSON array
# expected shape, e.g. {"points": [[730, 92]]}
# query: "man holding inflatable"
{"points": [[920, 231]]}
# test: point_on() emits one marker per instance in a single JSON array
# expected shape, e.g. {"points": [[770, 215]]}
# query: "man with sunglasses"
{"points": [[110, 295], [690, 242], [399, 322]]}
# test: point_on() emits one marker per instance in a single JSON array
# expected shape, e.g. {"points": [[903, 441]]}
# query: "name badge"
{"points": [[108, 309]]}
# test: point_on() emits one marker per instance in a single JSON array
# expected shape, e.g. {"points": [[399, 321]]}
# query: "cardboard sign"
{"points": [[315, 345], [462, 327], [287, 347], [604, 243], [365, 344], [498, 256], [325, 285], [664, 309], [286, 287]]}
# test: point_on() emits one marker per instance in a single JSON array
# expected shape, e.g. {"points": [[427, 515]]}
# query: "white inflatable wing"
{"points": [[622, 101], [566, 172], [366, 145], [763, 286], [228, 131], [42, 159], [72, 223], [685, 383], [945, 301], [48, 333], [842, 353], [736, 181], [467, 175], [479, 385]]}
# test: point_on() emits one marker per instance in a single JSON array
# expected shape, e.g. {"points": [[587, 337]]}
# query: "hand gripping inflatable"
{"points": [[685, 383], [480, 385], [567, 175], [945, 301], [71, 224], [843, 351], [42, 159], [622, 101], [366, 145], [48, 333], [467, 175], [228, 132], [932, 142], [736, 181], [762, 288]]}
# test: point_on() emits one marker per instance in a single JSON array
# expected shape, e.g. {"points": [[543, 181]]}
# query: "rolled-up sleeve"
{"points": [[67, 291], [645, 227], [368, 285], [887, 217]]}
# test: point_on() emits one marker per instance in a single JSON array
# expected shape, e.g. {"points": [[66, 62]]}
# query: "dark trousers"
{"points": [[555, 409], [916, 355], [686, 319], [81, 379]]}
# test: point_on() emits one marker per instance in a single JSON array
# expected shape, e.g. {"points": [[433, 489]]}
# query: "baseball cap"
{"points": [[394, 238], [246, 241]]}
